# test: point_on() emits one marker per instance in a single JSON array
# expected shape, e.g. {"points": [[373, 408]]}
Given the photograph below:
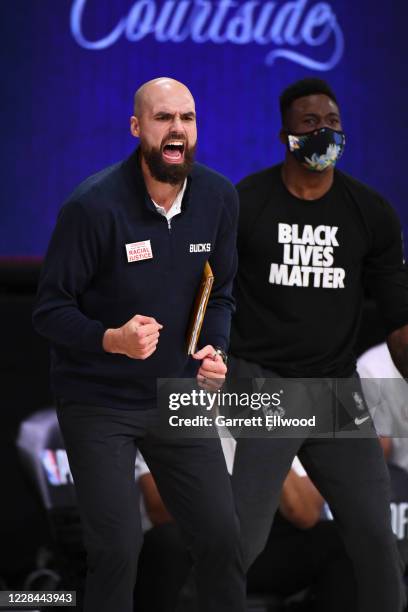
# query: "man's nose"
{"points": [[177, 124], [323, 123]]}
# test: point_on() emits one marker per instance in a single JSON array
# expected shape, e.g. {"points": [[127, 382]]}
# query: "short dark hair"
{"points": [[299, 89]]}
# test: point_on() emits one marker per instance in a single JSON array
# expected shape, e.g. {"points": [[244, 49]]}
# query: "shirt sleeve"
{"points": [[140, 466], [70, 264], [223, 261], [385, 391], [298, 468], [386, 274]]}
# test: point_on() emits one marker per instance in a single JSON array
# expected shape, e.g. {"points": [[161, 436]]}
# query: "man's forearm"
{"points": [[300, 502], [65, 325], [398, 345]]}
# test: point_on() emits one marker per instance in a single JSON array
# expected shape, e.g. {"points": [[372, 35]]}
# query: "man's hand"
{"points": [[136, 339], [211, 374]]}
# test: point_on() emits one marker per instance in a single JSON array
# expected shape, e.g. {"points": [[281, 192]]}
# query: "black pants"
{"points": [[295, 559], [351, 474], [193, 481], [164, 567], [292, 560]]}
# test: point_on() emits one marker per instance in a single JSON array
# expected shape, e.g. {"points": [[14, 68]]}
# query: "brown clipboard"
{"points": [[199, 308]]}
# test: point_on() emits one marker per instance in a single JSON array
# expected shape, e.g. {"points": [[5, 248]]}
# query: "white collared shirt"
{"points": [[175, 208]]}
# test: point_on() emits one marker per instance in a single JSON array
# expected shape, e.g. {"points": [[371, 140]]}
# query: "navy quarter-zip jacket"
{"points": [[87, 284]]}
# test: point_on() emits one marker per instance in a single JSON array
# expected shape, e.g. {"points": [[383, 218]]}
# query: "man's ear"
{"points": [[134, 126], [283, 135]]}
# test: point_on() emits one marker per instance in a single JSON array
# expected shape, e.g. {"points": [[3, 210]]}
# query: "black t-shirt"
{"points": [[302, 268]]}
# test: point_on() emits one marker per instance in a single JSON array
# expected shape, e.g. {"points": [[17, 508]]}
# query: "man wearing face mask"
{"points": [[309, 235]]}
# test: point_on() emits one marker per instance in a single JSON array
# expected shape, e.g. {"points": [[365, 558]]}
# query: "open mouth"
{"points": [[173, 151]]}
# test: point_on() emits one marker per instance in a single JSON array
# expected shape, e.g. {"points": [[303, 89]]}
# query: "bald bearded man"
{"points": [[114, 299]]}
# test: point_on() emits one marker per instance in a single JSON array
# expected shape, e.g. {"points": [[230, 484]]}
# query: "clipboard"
{"points": [[199, 308]]}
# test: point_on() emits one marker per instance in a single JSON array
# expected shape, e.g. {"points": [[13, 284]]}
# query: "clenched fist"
{"points": [[211, 374], [136, 339]]}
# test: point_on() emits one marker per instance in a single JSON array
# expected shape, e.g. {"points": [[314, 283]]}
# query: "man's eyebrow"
{"points": [[318, 115], [168, 114]]}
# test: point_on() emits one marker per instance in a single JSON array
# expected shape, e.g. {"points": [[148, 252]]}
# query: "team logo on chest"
{"points": [[308, 257], [200, 247]]}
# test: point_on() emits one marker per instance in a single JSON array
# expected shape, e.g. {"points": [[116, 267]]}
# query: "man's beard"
{"points": [[174, 174]]}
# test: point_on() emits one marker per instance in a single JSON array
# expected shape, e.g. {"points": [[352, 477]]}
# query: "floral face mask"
{"points": [[317, 150]]}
